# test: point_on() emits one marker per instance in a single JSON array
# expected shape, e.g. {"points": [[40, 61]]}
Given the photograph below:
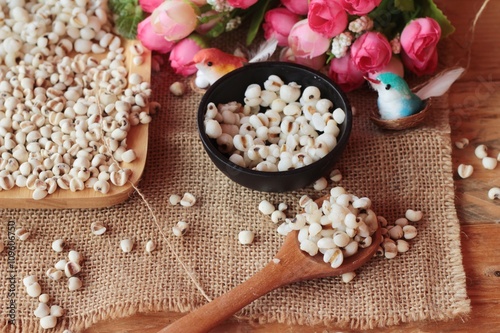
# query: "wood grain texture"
{"points": [[475, 114], [482, 266], [137, 139], [482, 43]]}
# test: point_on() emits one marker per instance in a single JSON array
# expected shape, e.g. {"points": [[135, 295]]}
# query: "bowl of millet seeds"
{"points": [[274, 126]]}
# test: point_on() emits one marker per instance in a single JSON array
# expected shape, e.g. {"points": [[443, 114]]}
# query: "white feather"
{"points": [[265, 50], [439, 84]]}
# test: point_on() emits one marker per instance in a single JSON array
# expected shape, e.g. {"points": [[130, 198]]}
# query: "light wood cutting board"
{"points": [[137, 139]]}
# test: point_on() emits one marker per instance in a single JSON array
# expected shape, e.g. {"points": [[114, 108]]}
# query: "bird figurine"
{"points": [[212, 63], [395, 98]]}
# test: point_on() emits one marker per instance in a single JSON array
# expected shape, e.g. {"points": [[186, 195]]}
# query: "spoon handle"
{"points": [[208, 316]]}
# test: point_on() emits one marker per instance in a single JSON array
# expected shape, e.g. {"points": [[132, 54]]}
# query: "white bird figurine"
{"points": [[395, 98]]}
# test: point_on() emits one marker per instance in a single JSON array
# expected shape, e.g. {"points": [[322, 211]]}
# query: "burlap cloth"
{"points": [[397, 170]]}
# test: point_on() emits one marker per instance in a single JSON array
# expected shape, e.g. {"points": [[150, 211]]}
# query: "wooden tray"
{"points": [[137, 139]]}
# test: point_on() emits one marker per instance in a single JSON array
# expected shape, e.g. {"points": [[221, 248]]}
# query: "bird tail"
{"points": [[264, 51], [440, 83]]}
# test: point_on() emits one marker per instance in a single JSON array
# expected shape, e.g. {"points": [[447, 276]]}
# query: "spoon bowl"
{"points": [[288, 266]]}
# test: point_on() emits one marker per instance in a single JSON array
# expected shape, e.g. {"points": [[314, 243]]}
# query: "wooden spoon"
{"points": [[289, 265]]}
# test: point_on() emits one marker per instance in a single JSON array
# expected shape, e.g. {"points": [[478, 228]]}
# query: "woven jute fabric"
{"points": [[397, 170]]}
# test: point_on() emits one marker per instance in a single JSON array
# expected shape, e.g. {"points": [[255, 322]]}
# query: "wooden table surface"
{"points": [[475, 114]]}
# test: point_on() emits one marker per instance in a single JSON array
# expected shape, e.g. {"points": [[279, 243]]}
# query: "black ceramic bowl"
{"points": [[232, 87]]}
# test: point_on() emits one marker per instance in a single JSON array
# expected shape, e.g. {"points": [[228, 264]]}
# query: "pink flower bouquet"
{"points": [[363, 37], [349, 39]]}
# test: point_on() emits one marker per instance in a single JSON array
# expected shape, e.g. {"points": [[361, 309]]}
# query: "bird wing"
{"points": [[265, 50], [440, 83]]}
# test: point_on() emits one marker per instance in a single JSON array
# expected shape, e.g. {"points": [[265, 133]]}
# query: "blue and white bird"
{"points": [[395, 98]]}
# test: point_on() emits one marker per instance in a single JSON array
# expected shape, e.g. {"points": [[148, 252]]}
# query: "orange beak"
{"points": [[374, 81]]}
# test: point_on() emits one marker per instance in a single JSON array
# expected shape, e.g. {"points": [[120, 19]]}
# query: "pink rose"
{"points": [[371, 52], [150, 39], [277, 23], [243, 4], [423, 68], [175, 19], [181, 56], [149, 5], [327, 17], [296, 6], [306, 42], [345, 73], [419, 41], [359, 7], [316, 63]]}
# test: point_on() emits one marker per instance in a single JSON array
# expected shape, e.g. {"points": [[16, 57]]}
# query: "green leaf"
{"points": [[259, 10], [330, 57], [383, 8], [404, 5], [128, 14], [430, 9], [208, 18], [388, 19], [205, 8], [216, 30], [413, 14], [202, 41], [126, 25], [122, 7], [391, 16]]}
